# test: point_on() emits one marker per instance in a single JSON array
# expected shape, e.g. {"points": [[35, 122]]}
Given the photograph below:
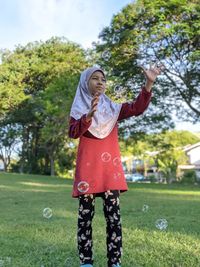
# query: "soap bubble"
{"points": [[161, 224], [83, 187], [106, 55], [115, 39], [47, 213], [145, 208], [106, 157]]}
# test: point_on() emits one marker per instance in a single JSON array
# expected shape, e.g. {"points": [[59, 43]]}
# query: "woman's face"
{"points": [[97, 83]]}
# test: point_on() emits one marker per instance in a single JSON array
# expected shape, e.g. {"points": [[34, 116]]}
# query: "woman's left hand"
{"points": [[151, 74]]}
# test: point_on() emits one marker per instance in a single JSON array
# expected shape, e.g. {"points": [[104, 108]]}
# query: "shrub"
{"points": [[152, 178], [189, 177]]}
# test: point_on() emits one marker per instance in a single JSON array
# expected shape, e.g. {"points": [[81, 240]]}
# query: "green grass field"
{"points": [[27, 239]]}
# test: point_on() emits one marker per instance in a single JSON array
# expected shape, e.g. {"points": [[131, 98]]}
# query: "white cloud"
{"points": [[188, 126], [80, 21]]}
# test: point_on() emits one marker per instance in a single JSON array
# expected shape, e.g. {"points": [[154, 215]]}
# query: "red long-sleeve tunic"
{"points": [[98, 165]]}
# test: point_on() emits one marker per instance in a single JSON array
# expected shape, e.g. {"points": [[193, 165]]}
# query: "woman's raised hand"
{"points": [[93, 107], [152, 73]]}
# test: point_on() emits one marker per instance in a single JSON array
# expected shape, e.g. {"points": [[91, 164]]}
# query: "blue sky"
{"points": [[23, 21]]}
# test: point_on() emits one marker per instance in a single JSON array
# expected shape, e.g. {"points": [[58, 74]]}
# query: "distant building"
{"points": [[193, 154], [134, 164]]}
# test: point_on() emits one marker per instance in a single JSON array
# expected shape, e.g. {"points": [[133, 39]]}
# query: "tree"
{"points": [[9, 138], [56, 105], [36, 74], [12, 71], [170, 151], [157, 31]]}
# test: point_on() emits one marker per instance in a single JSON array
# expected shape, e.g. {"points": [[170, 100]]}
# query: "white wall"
{"points": [[194, 155]]}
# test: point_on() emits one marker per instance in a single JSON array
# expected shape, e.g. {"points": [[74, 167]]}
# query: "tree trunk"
{"points": [[52, 165], [46, 164], [5, 166]]}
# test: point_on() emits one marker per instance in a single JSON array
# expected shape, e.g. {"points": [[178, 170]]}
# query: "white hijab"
{"points": [[107, 113]]}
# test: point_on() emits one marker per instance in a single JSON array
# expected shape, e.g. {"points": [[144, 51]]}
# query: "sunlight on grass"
{"points": [[42, 184], [168, 192], [4, 186]]}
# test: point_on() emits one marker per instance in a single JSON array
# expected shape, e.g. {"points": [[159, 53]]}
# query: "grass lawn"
{"points": [[27, 239]]}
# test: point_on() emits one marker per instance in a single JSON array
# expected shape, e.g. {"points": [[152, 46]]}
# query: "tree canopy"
{"points": [[38, 82], [163, 32]]}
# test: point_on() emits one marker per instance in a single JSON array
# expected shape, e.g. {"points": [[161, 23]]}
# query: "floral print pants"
{"points": [[86, 212]]}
